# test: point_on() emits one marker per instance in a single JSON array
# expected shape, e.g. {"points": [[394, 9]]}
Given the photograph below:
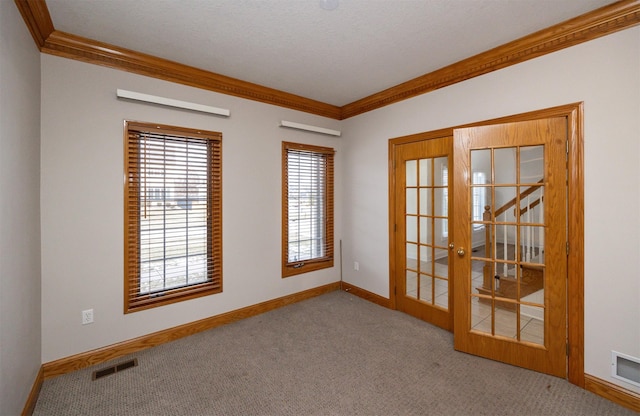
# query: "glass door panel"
{"points": [[426, 224], [515, 253], [510, 254], [421, 225]]}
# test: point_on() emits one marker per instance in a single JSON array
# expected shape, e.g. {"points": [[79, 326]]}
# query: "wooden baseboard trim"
{"points": [[365, 294], [612, 392], [30, 405], [110, 352]]}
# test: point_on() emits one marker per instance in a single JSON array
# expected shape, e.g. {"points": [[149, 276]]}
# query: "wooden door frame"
{"points": [[575, 221]]}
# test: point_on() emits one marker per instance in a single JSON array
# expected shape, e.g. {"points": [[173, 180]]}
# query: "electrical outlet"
{"points": [[356, 266], [87, 316]]}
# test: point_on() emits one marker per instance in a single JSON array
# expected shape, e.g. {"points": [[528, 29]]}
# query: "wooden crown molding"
{"points": [[36, 15], [589, 26], [91, 51], [600, 22]]}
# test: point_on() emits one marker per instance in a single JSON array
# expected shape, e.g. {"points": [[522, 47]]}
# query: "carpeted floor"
{"points": [[332, 355]]}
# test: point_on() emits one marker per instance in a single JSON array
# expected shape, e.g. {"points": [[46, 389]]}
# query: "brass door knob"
{"points": [[460, 252]]}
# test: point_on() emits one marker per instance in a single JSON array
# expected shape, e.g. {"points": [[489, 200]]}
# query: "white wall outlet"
{"points": [[356, 266], [87, 316]]}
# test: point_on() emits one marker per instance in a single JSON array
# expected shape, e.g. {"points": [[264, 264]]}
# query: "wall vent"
{"points": [[625, 367], [114, 369]]}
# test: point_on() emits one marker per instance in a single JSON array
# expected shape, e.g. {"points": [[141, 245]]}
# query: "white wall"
{"points": [[82, 203], [82, 190], [605, 74], [19, 210]]}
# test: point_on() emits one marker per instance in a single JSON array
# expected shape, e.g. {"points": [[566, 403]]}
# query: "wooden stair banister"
{"points": [[512, 202], [487, 216]]}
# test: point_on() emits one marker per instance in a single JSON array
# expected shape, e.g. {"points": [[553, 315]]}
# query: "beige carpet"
{"points": [[332, 355]]}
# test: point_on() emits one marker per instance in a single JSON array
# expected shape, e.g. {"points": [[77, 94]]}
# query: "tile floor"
{"points": [[505, 321]]}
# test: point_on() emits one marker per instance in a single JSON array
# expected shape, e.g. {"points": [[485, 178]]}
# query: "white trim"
{"points": [[307, 127], [170, 102]]}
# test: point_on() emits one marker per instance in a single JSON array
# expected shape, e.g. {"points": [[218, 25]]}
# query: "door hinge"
{"points": [[567, 248], [394, 291], [568, 349], [395, 227]]}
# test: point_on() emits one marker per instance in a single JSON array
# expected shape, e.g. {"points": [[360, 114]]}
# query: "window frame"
{"points": [[133, 200], [293, 268]]}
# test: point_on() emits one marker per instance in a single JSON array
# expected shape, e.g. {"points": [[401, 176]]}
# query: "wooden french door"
{"points": [[510, 255], [422, 228]]}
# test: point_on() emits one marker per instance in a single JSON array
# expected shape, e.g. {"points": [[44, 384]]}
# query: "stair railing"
{"points": [[528, 243]]}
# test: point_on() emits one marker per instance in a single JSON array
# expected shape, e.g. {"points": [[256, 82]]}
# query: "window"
{"points": [[172, 215], [307, 212], [479, 198]]}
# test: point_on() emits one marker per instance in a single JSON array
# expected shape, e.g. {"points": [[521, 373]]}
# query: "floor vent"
{"points": [[114, 369], [625, 367]]}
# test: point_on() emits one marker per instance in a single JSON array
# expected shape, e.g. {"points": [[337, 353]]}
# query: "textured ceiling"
{"points": [[334, 56]]}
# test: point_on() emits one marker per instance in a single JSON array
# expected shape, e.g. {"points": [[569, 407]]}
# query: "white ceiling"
{"points": [[334, 56]]}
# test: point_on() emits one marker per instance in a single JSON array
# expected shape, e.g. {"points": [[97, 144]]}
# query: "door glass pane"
{"points": [[481, 314], [426, 288], [505, 203], [426, 206], [441, 266], [425, 230], [532, 243], [412, 256], [425, 256], [441, 171], [505, 165], [440, 202], [441, 230], [531, 164], [532, 284], [412, 228], [532, 324], [425, 172], [411, 172], [479, 202], [411, 284], [481, 163], [479, 284], [532, 205], [505, 246], [412, 201], [506, 321], [441, 292]]}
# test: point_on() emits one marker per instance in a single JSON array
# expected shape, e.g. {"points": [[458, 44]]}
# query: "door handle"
{"points": [[451, 246], [460, 252]]}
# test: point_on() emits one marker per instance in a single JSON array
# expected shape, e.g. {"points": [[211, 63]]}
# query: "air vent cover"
{"points": [[114, 369], [625, 367]]}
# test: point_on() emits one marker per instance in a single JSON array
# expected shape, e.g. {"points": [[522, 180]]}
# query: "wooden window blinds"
{"points": [[307, 206], [172, 214]]}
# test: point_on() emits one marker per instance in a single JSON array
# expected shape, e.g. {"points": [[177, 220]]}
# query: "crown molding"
{"points": [[36, 15], [600, 22], [91, 51]]}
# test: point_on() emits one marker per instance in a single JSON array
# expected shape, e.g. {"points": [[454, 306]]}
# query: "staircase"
{"points": [[530, 262]]}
